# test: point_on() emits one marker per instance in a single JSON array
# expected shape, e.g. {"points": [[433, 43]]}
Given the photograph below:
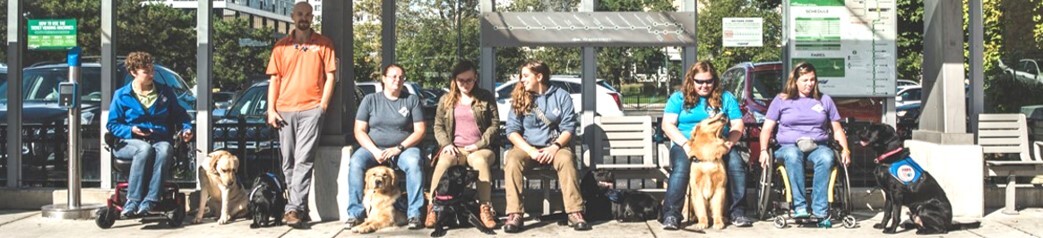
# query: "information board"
{"points": [[850, 43], [742, 32], [51, 34], [586, 29]]}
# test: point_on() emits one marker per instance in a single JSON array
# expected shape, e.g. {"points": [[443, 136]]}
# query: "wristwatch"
{"points": [[400, 147], [557, 144]]}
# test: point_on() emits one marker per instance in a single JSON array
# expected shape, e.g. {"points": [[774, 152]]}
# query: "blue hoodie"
{"points": [[164, 118], [556, 105]]}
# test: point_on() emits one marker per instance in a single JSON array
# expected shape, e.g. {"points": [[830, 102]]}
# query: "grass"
{"points": [[644, 99]]}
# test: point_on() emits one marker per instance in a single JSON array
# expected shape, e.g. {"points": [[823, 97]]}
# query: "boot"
{"points": [[487, 215], [431, 218]]}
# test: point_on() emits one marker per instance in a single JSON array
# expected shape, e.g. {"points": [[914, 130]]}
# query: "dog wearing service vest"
{"points": [[219, 184]]}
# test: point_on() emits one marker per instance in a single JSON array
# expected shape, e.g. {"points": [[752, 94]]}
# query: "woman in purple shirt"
{"points": [[802, 113]]}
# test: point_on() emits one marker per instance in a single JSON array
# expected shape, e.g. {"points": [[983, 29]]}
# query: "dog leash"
{"points": [[888, 154]]}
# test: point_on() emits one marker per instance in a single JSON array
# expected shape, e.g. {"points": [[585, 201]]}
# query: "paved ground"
{"points": [[30, 224]]}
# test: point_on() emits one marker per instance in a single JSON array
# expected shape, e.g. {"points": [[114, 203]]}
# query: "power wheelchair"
{"points": [[171, 206]]}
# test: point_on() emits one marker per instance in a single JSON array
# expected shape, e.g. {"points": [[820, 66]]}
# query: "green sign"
{"points": [[52, 34], [817, 3]]}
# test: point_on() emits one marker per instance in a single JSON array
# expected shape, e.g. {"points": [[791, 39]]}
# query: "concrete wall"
{"points": [[959, 169]]}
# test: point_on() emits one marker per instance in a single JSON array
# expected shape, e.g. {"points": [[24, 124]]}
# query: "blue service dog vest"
{"points": [[906, 171]]}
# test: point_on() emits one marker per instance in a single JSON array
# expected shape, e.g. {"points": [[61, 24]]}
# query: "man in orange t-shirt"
{"points": [[301, 66]]}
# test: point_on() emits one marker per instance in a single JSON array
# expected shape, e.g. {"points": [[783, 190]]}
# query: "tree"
{"points": [[709, 36], [235, 59], [167, 33]]}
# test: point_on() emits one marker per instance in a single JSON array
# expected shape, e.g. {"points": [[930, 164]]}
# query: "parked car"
{"points": [[905, 83], [427, 105], [909, 95], [609, 100], [1027, 70], [908, 119], [47, 120], [223, 99]]}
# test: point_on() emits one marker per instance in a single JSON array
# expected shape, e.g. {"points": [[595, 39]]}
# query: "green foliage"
{"points": [[234, 64], [910, 39], [710, 45]]}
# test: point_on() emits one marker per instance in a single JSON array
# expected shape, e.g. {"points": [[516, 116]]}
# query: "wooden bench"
{"points": [[628, 150], [1007, 134]]}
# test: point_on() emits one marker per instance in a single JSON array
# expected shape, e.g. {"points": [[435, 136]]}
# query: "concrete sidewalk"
{"points": [[30, 224]]}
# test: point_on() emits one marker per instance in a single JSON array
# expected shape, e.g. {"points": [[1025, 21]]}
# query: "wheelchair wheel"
{"points": [[850, 222], [105, 217], [764, 194], [780, 222], [841, 206]]}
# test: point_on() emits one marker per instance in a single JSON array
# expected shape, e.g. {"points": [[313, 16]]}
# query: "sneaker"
{"points": [[414, 223], [351, 222], [130, 208], [741, 221], [825, 223], [800, 213], [577, 222], [291, 219], [146, 207], [671, 223], [514, 223]]}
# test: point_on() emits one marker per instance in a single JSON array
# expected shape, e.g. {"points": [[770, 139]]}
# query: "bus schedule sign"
{"points": [[52, 34]]}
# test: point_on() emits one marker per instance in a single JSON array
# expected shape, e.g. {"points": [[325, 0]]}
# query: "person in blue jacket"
{"points": [[145, 116]]}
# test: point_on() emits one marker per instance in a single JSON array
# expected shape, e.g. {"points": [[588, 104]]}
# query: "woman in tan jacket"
{"points": [[465, 123]]}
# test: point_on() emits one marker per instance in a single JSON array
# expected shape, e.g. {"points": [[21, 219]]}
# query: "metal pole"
{"points": [[108, 84], [487, 55], [15, 39], [204, 80], [387, 33], [977, 45], [459, 39], [74, 132]]}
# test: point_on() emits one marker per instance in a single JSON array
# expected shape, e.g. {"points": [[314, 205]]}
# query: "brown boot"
{"points": [[291, 218], [431, 218], [487, 215]]}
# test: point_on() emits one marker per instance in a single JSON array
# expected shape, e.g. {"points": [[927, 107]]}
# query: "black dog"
{"points": [[906, 184], [266, 201], [598, 190], [454, 201]]}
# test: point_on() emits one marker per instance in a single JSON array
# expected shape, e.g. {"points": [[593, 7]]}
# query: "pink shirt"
{"points": [[466, 132]]}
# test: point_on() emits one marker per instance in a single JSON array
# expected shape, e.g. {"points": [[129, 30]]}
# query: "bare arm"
{"points": [[766, 132], [419, 128], [362, 136], [735, 132], [841, 137], [327, 90], [670, 129], [274, 119]]}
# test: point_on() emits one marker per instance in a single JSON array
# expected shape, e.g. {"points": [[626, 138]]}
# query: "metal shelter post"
{"points": [[487, 57], [108, 84], [591, 133], [689, 54], [942, 119], [387, 34], [14, 92], [204, 74]]}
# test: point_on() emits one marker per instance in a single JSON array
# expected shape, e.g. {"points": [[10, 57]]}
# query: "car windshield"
{"points": [[41, 85], [766, 84], [251, 103]]}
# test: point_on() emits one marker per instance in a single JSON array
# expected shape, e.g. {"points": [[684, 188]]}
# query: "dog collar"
{"points": [[443, 197], [888, 154]]}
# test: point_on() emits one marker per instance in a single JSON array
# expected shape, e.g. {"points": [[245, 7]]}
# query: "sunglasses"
{"points": [[703, 81]]}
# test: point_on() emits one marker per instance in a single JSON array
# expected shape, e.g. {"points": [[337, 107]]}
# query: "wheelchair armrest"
{"points": [[110, 140]]}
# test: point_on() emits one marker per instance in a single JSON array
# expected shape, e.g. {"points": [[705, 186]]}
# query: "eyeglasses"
{"points": [[465, 81], [703, 81]]}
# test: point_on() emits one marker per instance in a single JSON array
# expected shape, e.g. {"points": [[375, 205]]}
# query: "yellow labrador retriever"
{"points": [[379, 199], [707, 184], [218, 184]]}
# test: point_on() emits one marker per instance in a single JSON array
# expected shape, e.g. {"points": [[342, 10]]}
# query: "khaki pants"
{"points": [[518, 161], [478, 160]]}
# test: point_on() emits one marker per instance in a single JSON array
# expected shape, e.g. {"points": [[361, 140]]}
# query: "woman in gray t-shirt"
{"points": [[388, 126]]}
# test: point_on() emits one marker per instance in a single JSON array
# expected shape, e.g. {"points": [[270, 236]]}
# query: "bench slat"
{"points": [[1001, 149], [1001, 141], [999, 125]]}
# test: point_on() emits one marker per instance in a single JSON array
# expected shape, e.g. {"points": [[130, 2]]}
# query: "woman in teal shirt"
{"points": [[700, 97]]}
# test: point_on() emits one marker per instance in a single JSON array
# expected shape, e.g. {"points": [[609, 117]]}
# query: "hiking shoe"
{"points": [[487, 215]]}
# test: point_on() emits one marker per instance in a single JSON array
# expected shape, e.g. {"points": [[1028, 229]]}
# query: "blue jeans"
{"points": [[677, 184], [408, 161], [822, 160], [145, 155]]}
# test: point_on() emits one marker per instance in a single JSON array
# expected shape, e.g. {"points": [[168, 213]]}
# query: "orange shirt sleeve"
{"points": [[330, 61]]}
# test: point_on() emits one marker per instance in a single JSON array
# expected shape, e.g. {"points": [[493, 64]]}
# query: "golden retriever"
{"points": [[708, 181], [379, 199], [217, 182]]}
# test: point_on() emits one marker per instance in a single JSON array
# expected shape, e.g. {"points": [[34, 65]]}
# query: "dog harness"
{"points": [[906, 171], [272, 176]]}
